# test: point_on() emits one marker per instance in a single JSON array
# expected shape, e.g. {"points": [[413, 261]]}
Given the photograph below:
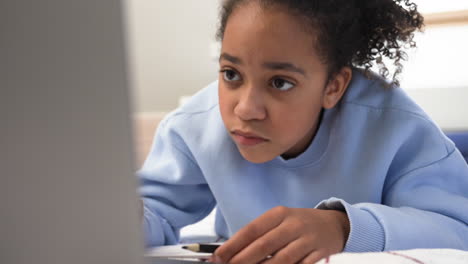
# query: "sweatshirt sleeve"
{"points": [[172, 187], [426, 207]]}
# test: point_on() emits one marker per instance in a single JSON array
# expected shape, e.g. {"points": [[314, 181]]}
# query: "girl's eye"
{"points": [[282, 84], [230, 75]]}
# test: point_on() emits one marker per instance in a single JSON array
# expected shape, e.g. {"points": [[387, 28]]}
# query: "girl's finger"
{"points": [[313, 257], [266, 245], [292, 253], [251, 232]]}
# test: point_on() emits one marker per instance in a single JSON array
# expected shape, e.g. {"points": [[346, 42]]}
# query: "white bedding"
{"points": [[414, 256]]}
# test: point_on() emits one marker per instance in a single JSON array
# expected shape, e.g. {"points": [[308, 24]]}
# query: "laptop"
{"points": [[68, 191]]}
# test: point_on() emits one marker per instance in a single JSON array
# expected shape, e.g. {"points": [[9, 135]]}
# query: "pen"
{"points": [[202, 248]]}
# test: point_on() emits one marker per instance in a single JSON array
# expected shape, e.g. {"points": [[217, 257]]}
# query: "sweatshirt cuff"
{"points": [[366, 234]]}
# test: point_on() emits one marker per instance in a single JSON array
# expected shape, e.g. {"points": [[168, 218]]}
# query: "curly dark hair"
{"points": [[351, 32]]}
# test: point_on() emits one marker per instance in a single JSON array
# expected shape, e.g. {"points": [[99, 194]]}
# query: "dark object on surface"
{"points": [[149, 260], [204, 248]]}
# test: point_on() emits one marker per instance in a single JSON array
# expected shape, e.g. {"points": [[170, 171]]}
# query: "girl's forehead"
{"points": [[254, 33], [270, 24], [255, 15]]}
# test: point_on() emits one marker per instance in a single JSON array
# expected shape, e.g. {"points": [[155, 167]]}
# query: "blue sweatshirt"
{"points": [[376, 156]]}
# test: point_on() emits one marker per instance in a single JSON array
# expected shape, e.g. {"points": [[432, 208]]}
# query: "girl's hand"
{"points": [[288, 235]]}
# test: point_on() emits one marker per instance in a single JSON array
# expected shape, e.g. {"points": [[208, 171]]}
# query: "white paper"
{"points": [[427, 256]]}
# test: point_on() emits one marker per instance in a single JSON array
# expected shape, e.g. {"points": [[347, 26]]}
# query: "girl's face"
{"points": [[272, 84]]}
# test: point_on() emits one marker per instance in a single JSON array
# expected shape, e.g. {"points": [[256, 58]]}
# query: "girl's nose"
{"points": [[250, 106]]}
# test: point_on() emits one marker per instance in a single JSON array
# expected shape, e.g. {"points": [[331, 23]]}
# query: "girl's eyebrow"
{"points": [[286, 66], [228, 57]]}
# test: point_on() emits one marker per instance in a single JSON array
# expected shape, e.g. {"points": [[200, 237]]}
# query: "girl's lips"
{"points": [[247, 139]]}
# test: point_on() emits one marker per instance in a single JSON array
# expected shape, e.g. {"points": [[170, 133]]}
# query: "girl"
{"points": [[304, 151]]}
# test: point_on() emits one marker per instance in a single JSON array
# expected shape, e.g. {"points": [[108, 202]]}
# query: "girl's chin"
{"points": [[257, 156]]}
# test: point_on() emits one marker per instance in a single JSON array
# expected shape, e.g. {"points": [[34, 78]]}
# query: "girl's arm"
{"points": [[172, 187], [424, 208]]}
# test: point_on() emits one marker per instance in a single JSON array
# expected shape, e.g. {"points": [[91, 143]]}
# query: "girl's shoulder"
{"points": [[197, 107], [189, 122], [390, 113], [202, 101], [375, 93]]}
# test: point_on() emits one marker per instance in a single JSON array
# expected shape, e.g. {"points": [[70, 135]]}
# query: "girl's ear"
{"points": [[336, 87]]}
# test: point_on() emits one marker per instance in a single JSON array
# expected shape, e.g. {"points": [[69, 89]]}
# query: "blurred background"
{"points": [[173, 54]]}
